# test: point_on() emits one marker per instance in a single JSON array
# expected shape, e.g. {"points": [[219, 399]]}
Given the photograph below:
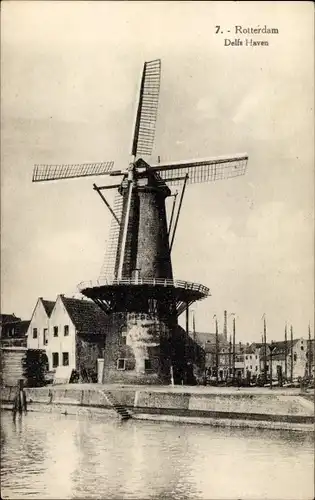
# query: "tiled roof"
{"points": [[281, 347], [48, 306], [206, 337], [21, 328], [8, 318], [86, 316]]}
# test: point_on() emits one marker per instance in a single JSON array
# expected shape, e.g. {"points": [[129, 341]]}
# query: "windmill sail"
{"points": [[108, 267], [147, 109], [57, 172], [203, 170]]}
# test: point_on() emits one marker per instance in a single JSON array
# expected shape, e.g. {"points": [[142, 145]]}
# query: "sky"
{"points": [[70, 74]]}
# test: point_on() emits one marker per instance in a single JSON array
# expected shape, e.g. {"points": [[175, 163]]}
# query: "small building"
{"points": [[37, 333], [252, 354], [13, 330], [76, 340], [220, 351], [290, 359], [72, 333]]}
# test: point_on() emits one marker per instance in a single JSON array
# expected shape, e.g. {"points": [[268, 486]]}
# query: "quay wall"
{"points": [[261, 409]]}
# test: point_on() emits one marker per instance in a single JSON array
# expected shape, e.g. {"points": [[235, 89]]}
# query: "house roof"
{"points": [[282, 346], [86, 316], [21, 328], [204, 338], [48, 306], [6, 319]]}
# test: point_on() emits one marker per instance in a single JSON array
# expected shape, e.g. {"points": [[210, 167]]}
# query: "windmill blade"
{"points": [[144, 133], [205, 170], [108, 267], [56, 172]]}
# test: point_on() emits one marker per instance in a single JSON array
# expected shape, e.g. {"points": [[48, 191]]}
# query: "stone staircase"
{"points": [[120, 409]]}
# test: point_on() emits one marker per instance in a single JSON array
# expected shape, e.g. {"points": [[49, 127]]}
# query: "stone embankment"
{"points": [[261, 408]]}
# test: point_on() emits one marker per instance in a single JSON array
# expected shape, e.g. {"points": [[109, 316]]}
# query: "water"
{"points": [[60, 457]]}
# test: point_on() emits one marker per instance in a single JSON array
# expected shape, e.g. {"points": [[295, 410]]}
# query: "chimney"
{"points": [[225, 326]]}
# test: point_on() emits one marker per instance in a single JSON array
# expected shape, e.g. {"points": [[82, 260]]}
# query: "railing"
{"points": [[187, 285]]}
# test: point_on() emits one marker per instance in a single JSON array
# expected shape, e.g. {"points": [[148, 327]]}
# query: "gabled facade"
{"points": [[13, 331], [290, 368], [60, 348], [71, 331], [223, 357], [38, 330], [252, 360], [76, 340]]}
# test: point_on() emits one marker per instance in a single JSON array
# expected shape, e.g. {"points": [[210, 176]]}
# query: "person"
{"points": [[19, 403]]}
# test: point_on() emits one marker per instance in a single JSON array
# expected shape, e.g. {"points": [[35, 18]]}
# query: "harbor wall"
{"points": [[260, 409]]}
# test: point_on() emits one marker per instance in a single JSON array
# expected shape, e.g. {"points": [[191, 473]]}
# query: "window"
{"points": [[256, 356], [123, 335], [65, 359], [55, 331], [55, 359], [246, 357], [66, 330], [251, 367], [250, 357], [294, 357], [147, 364], [34, 333], [302, 348], [121, 364], [45, 336], [256, 368]]}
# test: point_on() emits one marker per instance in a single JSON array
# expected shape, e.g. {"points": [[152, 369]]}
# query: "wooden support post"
{"points": [[178, 211], [217, 349], [172, 213], [187, 318], [271, 348], [265, 351], [126, 222], [233, 356], [230, 357], [291, 339], [98, 190], [309, 353], [286, 352]]}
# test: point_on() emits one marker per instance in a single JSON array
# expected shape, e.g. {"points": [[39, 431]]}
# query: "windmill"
{"points": [[136, 287]]}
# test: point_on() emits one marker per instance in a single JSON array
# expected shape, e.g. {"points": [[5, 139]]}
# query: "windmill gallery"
{"points": [[137, 290]]}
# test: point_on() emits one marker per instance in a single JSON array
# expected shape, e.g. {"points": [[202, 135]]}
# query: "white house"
{"points": [[38, 330], [282, 361], [252, 360], [72, 332]]}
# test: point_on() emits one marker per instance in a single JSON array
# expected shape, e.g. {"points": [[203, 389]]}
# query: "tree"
{"points": [[35, 367]]}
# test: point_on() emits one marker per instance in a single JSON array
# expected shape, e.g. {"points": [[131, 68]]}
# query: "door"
{"points": [[100, 368]]}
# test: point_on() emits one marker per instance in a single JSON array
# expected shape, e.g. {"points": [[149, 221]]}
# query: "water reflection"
{"points": [[57, 456]]}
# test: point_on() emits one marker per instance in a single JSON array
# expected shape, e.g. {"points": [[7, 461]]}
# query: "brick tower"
{"points": [[142, 299]]}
